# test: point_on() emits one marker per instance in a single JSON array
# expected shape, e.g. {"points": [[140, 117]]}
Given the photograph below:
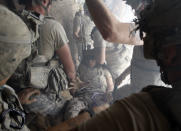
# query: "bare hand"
{"points": [[77, 83], [24, 96]]}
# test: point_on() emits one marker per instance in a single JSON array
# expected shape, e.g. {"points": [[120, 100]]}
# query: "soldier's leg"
{"points": [[74, 107]]}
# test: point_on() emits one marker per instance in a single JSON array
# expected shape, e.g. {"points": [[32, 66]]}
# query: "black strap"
{"points": [[14, 113]]}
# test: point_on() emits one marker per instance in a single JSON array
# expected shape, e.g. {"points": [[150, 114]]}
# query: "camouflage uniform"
{"points": [[44, 71], [95, 76], [93, 94], [50, 101], [15, 45], [52, 37]]}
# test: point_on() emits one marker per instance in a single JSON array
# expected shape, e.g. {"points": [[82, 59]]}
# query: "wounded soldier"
{"points": [[95, 92]]}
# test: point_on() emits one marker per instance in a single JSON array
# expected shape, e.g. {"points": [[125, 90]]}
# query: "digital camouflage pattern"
{"points": [[15, 34], [91, 95], [86, 98], [15, 39]]}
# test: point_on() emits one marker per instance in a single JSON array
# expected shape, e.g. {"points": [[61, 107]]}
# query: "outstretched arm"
{"points": [[111, 29]]}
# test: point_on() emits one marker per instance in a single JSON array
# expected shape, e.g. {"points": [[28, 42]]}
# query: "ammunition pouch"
{"points": [[39, 76], [57, 82], [47, 75]]}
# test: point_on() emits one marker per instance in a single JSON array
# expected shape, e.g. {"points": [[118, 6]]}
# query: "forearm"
{"points": [[66, 59], [69, 68], [111, 29], [98, 10]]}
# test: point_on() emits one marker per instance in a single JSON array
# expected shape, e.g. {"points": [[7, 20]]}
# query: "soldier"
{"points": [[142, 68], [92, 72], [44, 71], [15, 45], [155, 108], [82, 28], [98, 84]]}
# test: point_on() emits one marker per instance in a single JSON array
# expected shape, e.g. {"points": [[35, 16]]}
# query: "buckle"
{"points": [[17, 115]]}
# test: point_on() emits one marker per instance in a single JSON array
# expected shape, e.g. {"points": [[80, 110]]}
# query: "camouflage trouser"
{"points": [[74, 107], [45, 112], [84, 99], [45, 105]]}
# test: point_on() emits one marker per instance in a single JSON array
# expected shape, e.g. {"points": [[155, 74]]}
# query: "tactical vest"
{"points": [[36, 71]]}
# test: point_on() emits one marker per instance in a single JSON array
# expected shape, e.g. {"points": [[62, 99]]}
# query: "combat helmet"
{"points": [[15, 42]]}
